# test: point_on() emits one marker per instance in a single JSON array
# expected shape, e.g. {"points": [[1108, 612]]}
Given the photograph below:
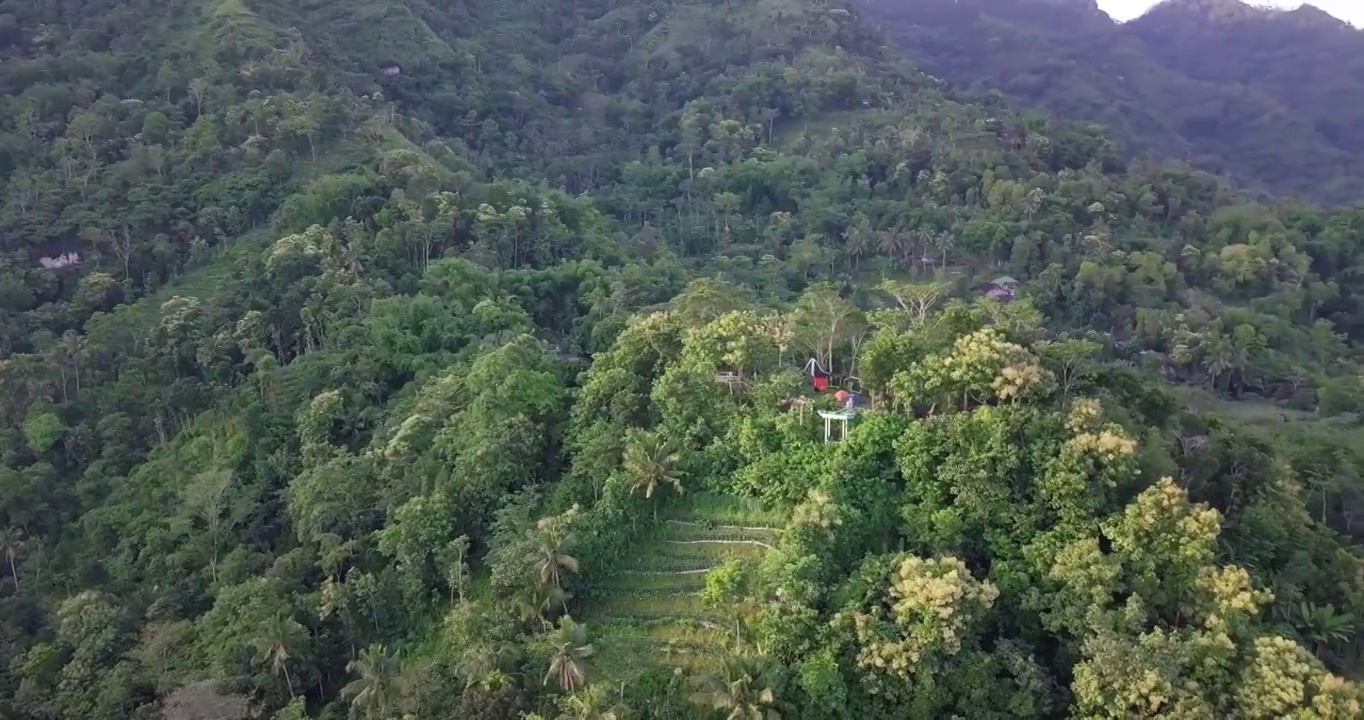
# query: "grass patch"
{"points": [[723, 510], [670, 606], [651, 614], [622, 643], [788, 131], [674, 557], [1254, 411], [650, 583], [678, 530]]}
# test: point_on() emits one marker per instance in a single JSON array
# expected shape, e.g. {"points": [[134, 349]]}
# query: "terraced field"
{"points": [[652, 613]]}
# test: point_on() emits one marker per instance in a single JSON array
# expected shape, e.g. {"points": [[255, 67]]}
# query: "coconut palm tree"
{"points": [[487, 664], [650, 463], [13, 542], [858, 240], [551, 557], [891, 244], [741, 689], [591, 703], [377, 685], [533, 602], [568, 651], [279, 640]]}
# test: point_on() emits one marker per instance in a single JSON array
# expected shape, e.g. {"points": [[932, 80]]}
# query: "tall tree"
{"points": [[591, 703], [280, 640], [455, 566], [12, 542], [650, 464], [532, 603], [551, 556], [569, 650], [742, 689], [377, 684]]}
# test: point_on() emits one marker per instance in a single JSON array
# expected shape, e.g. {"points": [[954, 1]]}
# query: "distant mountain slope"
{"points": [[1305, 59], [1274, 100]]}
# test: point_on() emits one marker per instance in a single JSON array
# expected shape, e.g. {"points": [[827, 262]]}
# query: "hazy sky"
{"points": [[1350, 10]]}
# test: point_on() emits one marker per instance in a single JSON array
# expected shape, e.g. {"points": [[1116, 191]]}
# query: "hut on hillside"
{"points": [[1002, 288], [57, 262]]}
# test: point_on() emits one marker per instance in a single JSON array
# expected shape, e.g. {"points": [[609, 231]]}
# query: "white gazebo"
{"points": [[837, 416]]}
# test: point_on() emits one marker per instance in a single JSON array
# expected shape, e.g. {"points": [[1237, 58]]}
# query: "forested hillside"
{"points": [[1268, 98], [397, 359]]}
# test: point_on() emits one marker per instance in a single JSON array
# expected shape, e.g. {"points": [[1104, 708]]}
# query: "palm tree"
{"points": [[891, 244], [532, 602], [1319, 486], [377, 685], [486, 664], [943, 242], [650, 464], [858, 240], [568, 649], [13, 542], [280, 640], [591, 703], [1033, 202], [1324, 626], [741, 689], [550, 556]]}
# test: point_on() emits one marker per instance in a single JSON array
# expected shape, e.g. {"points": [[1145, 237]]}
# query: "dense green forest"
{"points": [[413, 359], [1270, 98]]}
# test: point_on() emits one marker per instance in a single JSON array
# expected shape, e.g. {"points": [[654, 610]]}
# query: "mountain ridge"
{"points": [[1239, 10], [1265, 98]]}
